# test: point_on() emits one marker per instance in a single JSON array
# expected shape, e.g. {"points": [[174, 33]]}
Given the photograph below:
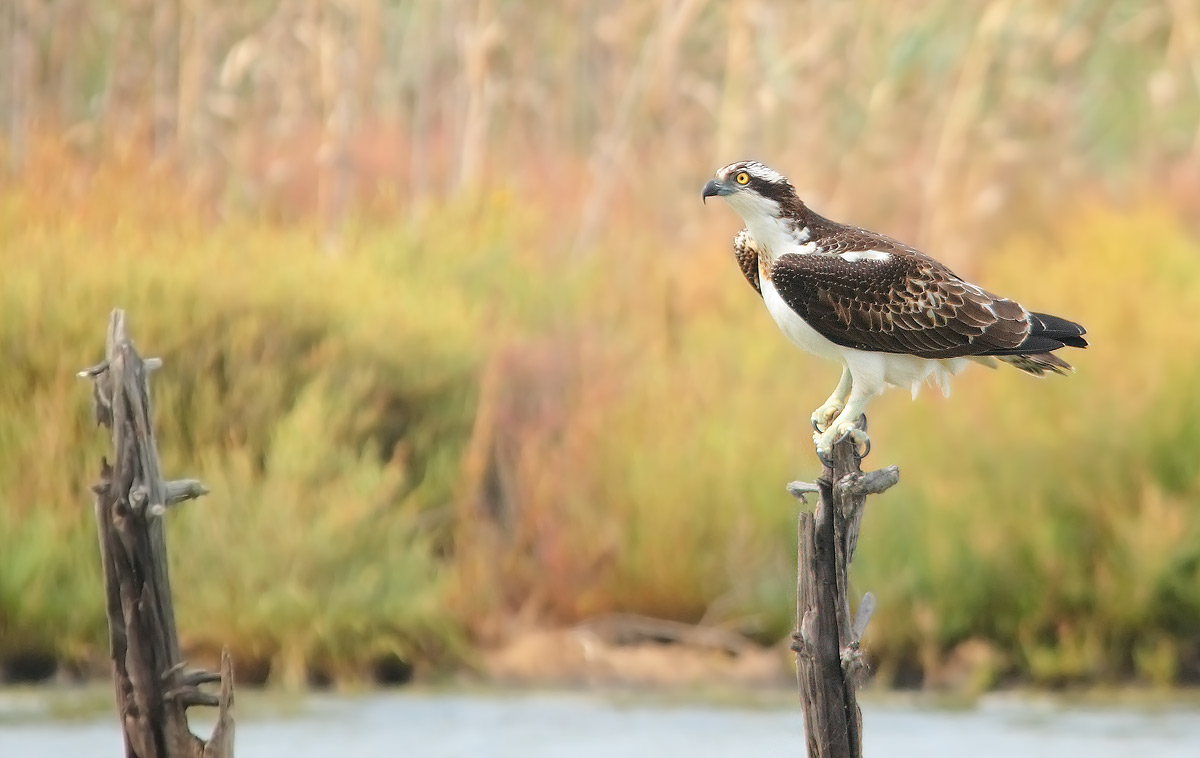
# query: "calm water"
{"points": [[34, 724]]}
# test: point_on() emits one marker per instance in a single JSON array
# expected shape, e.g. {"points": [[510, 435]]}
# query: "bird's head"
{"points": [[753, 189], [767, 202]]}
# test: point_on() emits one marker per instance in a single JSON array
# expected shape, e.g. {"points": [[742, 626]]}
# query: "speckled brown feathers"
{"points": [[834, 239], [745, 249], [865, 291], [908, 303], [837, 291]]}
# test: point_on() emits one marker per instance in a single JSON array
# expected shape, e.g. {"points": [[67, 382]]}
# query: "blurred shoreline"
{"points": [[571, 660], [458, 350], [408, 452]]}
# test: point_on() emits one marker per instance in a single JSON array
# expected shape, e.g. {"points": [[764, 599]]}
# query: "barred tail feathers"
{"points": [[1038, 364]]}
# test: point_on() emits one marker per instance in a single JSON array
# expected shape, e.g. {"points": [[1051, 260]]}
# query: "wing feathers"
{"points": [[909, 303], [899, 300]]}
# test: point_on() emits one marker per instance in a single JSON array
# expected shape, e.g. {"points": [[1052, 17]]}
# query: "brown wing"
{"points": [[839, 238], [745, 249], [908, 303]]}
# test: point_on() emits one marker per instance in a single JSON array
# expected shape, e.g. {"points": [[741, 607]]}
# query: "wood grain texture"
{"points": [[154, 688], [826, 640]]}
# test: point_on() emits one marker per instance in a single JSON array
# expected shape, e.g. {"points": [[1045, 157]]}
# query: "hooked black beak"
{"points": [[712, 189]]}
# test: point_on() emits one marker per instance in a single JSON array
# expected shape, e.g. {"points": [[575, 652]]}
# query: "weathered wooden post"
{"points": [[153, 687], [828, 660]]}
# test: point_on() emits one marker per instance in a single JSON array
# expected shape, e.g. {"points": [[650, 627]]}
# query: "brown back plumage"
{"points": [[892, 298], [906, 304]]}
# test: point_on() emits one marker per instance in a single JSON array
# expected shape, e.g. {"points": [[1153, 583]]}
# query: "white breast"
{"points": [[795, 328], [873, 370]]}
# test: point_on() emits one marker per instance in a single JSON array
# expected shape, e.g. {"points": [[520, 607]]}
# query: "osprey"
{"points": [[889, 314]]}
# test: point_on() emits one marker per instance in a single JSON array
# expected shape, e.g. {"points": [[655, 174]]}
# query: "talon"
{"points": [[835, 435], [825, 415], [824, 443], [858, 437], [822, 450]]}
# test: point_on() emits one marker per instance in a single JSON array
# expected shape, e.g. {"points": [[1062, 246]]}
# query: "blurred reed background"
{"points": [[459, 351]]}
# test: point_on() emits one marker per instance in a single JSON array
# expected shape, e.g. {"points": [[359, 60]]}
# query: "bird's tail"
{"points": [[1038, 364], [1067, 332], [1047, 333]]}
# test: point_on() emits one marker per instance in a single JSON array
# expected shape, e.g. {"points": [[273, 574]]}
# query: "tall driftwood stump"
{"points": [[828, 660], [153, 686]]}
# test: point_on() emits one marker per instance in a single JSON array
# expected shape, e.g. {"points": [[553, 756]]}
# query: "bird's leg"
{"points": [[834, 405], [846, 425]]}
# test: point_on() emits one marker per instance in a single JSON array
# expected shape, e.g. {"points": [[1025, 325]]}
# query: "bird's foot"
{"points": [[840, 430], [824, 416]]}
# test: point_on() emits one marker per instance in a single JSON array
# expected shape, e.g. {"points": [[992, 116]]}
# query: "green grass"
{"points": [[1059, 519], [457, 421], [436, 431], [326, 407]]}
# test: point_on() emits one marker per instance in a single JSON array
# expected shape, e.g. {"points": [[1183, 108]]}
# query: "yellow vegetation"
{"points": [[435, 430]]}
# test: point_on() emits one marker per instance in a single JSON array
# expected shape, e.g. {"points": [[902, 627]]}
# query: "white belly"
{"points": [[872, 370]]}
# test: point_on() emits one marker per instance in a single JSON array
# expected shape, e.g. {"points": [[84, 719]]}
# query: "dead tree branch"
{"points": [[152, 686], [828, 660]]}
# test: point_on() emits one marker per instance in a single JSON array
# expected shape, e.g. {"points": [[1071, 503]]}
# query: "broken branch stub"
{"points": [[829, 661], [153, 690]]}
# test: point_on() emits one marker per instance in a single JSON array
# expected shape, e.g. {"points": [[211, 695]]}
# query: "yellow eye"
{"points": [[742, 178]]}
